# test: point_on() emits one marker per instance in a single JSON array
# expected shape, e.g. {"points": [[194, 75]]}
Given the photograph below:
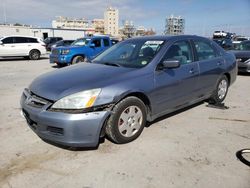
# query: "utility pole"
{"points": [[4, 13]]}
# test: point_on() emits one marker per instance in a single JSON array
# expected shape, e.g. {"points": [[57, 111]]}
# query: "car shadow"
{"points": [[102, 140], [58, 66], [21, 59], [243, 74]]}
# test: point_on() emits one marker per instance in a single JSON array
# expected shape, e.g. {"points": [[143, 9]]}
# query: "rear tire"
{"points": [[78, 59], [34, 55], [127, 120], [220, 92]]}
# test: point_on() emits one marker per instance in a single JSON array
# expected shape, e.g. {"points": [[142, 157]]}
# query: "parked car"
{"points": [[62, 43], [220, 34], [21, 46], [225, 43], [239, 39], [51, 41], [242, 53], [81, 50], [126, 86]]}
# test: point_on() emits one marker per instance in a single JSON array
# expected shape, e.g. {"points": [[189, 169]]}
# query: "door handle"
{"points": [[192, 71], [219, 63], [12, 46]]}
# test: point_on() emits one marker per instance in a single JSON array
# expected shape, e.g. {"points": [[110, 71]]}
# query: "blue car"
{"points": [[83, 49], [134, 81]]}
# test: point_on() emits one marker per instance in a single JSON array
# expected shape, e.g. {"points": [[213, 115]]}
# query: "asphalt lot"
{"points": [[192, 148]]}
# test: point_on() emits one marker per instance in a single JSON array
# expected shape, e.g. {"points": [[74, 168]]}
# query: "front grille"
{"points": [[33, 100], [55, 130], [55, 52]]}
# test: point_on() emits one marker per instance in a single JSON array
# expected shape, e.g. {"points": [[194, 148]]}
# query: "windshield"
{"points": [[81, 42], [242, 46], [134, 53]]}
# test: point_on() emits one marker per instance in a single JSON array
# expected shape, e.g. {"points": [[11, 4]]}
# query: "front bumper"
{"points": [[75, 130], [243, 67], [59, 59]]}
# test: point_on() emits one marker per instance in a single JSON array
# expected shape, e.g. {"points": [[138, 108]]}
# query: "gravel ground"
{"points": [[192, 148]]}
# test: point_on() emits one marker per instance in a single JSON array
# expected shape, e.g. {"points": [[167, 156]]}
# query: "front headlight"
{"points": [[81, 100], [65, 51]]}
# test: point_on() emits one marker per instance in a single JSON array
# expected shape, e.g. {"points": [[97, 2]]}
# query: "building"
{"points": [[70, 23], [140, 31], [24, 30], [98, 25], [174, 25], [14, 29], [111, 22], [128, 29]]}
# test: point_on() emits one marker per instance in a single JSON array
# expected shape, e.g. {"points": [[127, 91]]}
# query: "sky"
{"points": [[202, 17]]}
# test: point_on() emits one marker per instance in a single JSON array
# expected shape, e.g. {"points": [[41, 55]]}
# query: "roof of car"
{"points": [[20, 36], [165, 37]]}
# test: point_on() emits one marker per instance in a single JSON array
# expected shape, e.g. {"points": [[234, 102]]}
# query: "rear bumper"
{"points": [[75, 130]]}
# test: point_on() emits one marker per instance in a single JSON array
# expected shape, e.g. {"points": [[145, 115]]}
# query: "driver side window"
{"points": [[97, 43], [180, 51]]}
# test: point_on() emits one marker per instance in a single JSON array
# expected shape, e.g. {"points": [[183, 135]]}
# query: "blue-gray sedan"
{"points": [[133, 82]]}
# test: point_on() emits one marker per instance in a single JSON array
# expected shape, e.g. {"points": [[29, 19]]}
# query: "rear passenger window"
{"points": [[204, 50], [180, 51], [20, 40], [8, 40], [106, 42]]}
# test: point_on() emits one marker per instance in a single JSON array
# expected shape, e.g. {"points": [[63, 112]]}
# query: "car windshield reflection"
{"points": [[134, 54]]}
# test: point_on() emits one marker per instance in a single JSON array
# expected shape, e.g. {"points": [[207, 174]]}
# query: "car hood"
{"points": [[69, 47], [76, 78]]}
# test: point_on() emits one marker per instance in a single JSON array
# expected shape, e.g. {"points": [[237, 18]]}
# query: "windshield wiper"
{"points": [[112, 64]]}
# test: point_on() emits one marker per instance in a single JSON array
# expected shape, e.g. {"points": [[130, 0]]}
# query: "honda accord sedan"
{"points": [[131, 83]]}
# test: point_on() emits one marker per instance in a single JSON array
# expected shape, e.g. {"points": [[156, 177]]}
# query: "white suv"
{"points": [[19, 46]]}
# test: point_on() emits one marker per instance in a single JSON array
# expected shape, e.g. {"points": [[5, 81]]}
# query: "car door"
{"points": [[176, 86], [7, 47], [21, 46], [96, 48], [211, 65]]}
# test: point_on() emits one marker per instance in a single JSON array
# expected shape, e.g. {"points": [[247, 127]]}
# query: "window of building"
{"points": [[204, 50]]}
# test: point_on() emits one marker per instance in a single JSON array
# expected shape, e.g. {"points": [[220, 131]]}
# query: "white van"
{"points": [[20, 46]]}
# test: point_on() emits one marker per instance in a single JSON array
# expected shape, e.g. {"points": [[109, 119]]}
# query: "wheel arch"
{"points": [[228, 77], [34, 49], [82, 55], [140, 95]]}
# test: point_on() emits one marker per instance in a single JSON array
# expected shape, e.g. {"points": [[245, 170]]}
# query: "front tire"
{"points": [[127, 120], [220, 92], [78, 59], [34, 55]]}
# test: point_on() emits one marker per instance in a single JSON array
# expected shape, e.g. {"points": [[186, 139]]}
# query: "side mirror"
{"points": [[92, 45], [170, 64], [1, 42]]}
